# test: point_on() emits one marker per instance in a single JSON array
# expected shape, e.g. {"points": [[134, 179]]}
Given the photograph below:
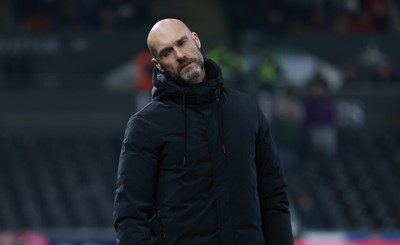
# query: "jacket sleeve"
{"points": [[136, 181], [272, 189]]}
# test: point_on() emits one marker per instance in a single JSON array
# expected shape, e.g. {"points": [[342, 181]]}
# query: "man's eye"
{"points": [[165, 54], [181, 43]]}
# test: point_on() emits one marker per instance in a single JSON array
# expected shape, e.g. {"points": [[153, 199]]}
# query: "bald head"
{"points": [[163, 31], [176, 51]]}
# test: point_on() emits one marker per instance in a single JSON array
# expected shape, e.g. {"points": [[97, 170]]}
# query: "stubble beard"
{"points": [[192, 76]]}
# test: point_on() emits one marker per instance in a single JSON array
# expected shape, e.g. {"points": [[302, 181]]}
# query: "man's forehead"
{"points": [[166, 32], [166, 40], [169, 34]]}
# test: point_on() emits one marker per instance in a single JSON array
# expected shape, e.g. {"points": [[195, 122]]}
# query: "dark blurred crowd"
{"points": [[266, 16], [42, 16], [347, 16]]}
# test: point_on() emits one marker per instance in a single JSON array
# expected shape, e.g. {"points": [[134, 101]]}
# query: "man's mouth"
{"points": [[185, 65]]}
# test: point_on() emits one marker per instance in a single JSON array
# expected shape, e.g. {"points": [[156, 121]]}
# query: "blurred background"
{"points": [[326, 74]]}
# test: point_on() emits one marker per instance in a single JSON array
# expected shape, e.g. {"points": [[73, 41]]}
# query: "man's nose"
{"points": [[179, 54]]}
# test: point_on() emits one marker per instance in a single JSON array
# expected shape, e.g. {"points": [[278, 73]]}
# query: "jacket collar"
{"points": [[209, 90]]}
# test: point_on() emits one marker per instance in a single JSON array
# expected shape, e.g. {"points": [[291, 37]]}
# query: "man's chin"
{"points": [[190, 78]]}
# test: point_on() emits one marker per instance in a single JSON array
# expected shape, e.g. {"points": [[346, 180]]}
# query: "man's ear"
{"points": [[157, 64], [196, 39]]}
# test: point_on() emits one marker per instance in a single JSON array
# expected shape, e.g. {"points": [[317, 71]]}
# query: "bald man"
{"points": [[198, 164], [176, 51]]}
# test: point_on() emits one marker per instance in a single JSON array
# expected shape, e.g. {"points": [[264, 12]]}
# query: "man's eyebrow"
{"points": [[181, 39], [184, 38]]}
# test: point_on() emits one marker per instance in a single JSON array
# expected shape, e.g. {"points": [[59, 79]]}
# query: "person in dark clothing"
{"points": [[198, 164]]}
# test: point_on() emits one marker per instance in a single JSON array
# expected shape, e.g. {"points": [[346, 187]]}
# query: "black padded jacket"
{"points": [[198, 166]]}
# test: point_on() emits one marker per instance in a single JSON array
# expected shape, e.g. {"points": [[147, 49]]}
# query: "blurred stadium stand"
{"points": [[63, 112]]}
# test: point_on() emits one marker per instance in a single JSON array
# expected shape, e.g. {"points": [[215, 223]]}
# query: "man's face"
{"points": [[177, 53]]}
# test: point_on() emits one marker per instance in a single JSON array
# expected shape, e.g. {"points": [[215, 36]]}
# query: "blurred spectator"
{"points": [[231, 65], [341, 24], [383, 75], [17, 68], [363, 23], [133, 76], [351, 77], [308, 213], [142, 79], [142, 71], [38, 23], [287, 123], [380, 13], [320, 118], [269, 73]]}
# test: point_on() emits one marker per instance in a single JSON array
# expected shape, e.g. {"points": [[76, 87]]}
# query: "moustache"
{"points": [[185, 62]]}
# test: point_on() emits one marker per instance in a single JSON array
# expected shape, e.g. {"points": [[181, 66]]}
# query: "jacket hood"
{"points": [[205, 92]]}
